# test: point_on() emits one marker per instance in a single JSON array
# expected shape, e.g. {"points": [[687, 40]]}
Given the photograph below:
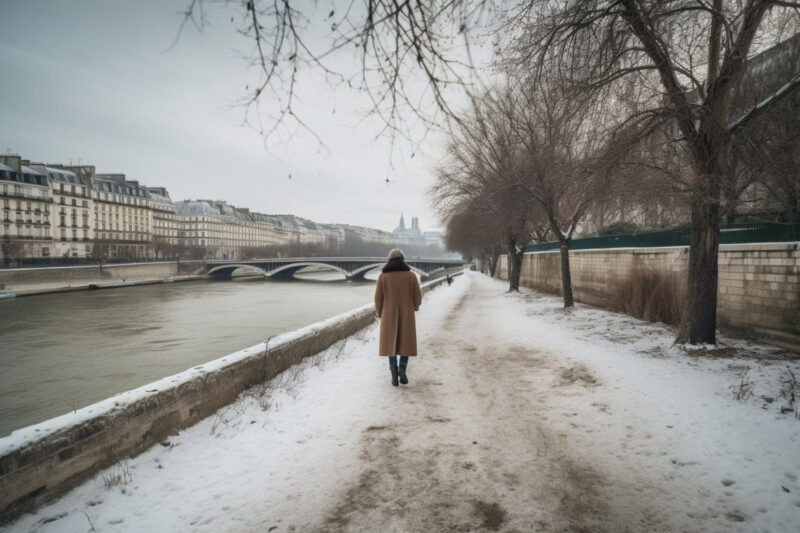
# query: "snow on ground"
{"points": [[520, 416]]}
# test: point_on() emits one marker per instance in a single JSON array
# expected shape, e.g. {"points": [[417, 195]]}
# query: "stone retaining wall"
{"points": [[46, 279], [759, 284], [39, 462]]}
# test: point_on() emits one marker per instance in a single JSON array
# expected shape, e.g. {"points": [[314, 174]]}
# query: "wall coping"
{"points": [[751, 247]]}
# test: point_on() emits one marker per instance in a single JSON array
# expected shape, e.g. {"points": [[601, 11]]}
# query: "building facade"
{"points": [[166, 225], [72, 212], [123, 218], [223, 231], [27, 201], [67, 211]]}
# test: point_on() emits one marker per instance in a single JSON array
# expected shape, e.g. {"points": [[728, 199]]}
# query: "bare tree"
{"points": [[562, 157], [649, 189], [101, 250], [481, 174], [681, 59], [162, 246], [767, 153], [685, 58], [408, 55], [13, 250], [474, 235]]}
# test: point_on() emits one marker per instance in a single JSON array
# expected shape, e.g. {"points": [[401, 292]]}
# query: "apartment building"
{"points": [[67, 211], [72, 212], [166, 224], [27, 203], [223, 230], [123, 217]]}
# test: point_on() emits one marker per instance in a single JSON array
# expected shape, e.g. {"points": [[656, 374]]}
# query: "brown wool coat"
{"points": [[397, 297]]}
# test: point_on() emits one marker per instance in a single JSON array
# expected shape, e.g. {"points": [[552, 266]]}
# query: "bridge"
{"points": [[352, 268]]}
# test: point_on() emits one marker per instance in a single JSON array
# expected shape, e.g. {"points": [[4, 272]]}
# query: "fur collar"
{"points": [[396, 265]]}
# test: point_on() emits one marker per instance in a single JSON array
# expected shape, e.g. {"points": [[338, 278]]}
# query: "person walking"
{"points": [[397, 298]]}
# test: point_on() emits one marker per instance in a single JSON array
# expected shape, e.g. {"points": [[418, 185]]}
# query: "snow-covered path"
{"points": [[520, 416]]}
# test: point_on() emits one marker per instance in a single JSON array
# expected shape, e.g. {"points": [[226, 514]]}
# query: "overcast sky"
{"points": [[89, 81]]}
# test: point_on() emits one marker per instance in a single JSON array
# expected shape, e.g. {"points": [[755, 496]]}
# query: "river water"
{"points": [[60, 352]]}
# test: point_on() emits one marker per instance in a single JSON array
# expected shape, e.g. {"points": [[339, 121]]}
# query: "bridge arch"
{"points": [[358, 274], [288, 271], [226, 271]]}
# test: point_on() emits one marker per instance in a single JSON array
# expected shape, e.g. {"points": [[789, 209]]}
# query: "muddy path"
{"points": [[467, 445]]}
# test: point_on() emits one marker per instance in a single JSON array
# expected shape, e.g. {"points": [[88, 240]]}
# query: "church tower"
{"points": [[402, 227]]}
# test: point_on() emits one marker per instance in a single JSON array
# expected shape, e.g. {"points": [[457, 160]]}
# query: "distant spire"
{"points": [[402, 222]]}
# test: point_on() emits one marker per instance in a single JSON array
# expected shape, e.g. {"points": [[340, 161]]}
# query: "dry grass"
{"points": [[743, 386], [790, 390], [650, 295], [119, 474]]}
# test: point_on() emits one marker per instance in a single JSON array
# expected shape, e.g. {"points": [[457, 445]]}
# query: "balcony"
{"points": [[28, 196], [12, 236]]}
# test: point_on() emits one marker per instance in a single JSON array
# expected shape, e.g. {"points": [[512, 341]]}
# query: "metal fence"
{"points": [[740, 233]]}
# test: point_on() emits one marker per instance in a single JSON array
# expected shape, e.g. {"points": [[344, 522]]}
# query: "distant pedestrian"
{"points": [[449, 280], [397, 297]]}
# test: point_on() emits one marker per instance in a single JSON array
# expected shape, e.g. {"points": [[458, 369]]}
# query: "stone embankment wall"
{"points": [[759, 284], [39, 462], [24, 281]]}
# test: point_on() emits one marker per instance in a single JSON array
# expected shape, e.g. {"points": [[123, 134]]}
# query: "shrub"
{"points": [[650, 295]]}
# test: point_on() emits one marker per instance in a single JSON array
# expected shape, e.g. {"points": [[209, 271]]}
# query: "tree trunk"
{"points": [[514, 264], [493, 259], [566, 277], [699, 322]]}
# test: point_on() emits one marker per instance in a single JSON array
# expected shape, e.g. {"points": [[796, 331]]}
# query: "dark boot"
{"points": [[394, 375], [403, 377]]}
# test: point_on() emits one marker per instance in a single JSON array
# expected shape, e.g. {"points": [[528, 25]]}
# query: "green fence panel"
{"points": [[740, 233]]}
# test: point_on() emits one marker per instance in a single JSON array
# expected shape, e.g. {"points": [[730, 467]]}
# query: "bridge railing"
{"points": [[332, 259]]}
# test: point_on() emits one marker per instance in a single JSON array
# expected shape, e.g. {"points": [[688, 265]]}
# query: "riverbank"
{"points": [[48, 280], [39, 460], [519, 416], [67, 350]]}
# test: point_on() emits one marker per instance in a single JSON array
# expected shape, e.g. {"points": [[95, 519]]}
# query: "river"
{"points": [[60, 352]]}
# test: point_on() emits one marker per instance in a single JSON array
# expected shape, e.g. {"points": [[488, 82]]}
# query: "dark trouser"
{"points": [[393, 360]]}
